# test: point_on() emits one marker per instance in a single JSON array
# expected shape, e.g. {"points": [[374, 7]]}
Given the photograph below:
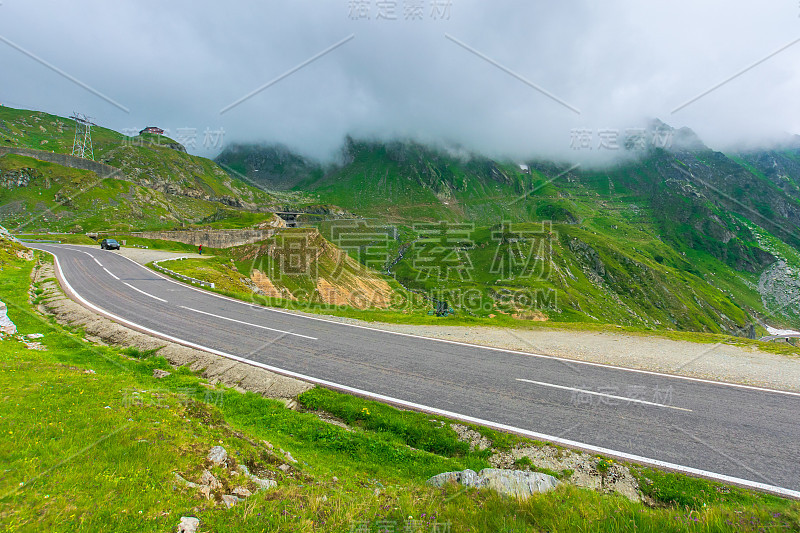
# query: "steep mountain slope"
{"points": [[37, 196], [152, 161], [273, 167], [678, 238], [406, 182], [158, 184]]}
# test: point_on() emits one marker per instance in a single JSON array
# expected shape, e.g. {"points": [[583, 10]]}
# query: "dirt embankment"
{"points": [[234, 374], [337, 278]]}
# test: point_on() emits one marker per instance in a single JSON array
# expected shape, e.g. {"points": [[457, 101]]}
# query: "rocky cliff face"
{"points": [[779, 286], [19, 178]]}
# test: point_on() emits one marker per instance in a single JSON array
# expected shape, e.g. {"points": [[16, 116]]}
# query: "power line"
{"points": [[82, 145]]}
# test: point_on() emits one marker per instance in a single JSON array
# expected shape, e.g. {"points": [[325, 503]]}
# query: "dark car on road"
{"points": [[109, 244]]}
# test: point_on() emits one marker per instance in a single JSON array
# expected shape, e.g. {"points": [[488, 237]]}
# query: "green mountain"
{"points": [[681, 237], [273, 167], [154, 183]]}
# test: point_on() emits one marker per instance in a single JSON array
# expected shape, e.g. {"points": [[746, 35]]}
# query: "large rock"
{"points": [[515, 483], [217, 455], [468, 478], [208, 479], [229, 500], [6, 325], [263, 484], [188, 524]]}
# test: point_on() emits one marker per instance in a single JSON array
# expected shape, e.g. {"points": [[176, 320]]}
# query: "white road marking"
{"points": [[81, 251], [110, 274], [96, 261], [583, 391], [433, 410], [248, 323], [145, 293]]}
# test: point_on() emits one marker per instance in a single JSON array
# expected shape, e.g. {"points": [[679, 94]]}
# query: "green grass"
{"points": [[665, 260], [90, 451], [132, 201], [63, 199]]}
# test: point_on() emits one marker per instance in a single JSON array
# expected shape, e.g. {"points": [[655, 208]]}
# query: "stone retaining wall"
{"points": [[220, 238], [101, 169]]}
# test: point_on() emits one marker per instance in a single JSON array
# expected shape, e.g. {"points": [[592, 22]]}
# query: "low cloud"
{"points": [[507, 81]]}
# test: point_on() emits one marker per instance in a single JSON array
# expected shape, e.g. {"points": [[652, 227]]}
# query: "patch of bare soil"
{"points": [[268, 288]]}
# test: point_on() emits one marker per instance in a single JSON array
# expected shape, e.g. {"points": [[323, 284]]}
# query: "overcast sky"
{"points": [[513, 78]]}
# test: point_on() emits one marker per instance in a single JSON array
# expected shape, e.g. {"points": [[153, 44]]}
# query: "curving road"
{"points": [[733, 433]]}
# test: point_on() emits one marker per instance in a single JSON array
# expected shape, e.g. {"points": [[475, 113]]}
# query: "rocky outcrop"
{"points": [[516, 483], [7, 327], [229, 486], [21, 177], [779, 286], [590, 260]]}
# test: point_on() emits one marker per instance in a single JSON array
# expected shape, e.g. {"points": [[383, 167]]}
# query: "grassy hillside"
{"points": [[93, 442], [148, 161], [40, 196], [406, 182], [672, 240]]}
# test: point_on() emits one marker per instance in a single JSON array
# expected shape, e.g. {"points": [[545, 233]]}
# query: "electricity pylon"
{"points": [[82, 145]]}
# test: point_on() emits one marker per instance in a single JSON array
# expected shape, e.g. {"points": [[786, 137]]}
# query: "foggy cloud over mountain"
{"points": [[503, 78]]}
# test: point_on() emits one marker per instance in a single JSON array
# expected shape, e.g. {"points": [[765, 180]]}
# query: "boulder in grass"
{"points": [[517, 483], [188, 524], [468, 478], [229, 500], [208, 479], [217, 455], [263, 484]]}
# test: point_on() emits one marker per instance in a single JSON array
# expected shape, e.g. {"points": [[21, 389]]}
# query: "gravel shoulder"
{"points": [[718, 362], [146, 255]]}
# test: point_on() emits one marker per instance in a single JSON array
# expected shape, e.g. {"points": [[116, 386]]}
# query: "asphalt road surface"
{"points": [[739, 434]]}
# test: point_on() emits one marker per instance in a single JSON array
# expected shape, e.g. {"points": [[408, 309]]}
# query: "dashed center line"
{"points": [[248, 323], [583, 391], [145, 293]]}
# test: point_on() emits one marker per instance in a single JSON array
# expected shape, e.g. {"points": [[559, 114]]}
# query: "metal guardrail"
{"points": [[190, 279]]}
